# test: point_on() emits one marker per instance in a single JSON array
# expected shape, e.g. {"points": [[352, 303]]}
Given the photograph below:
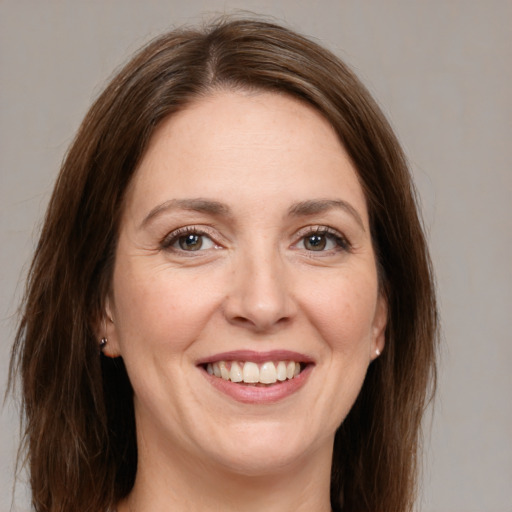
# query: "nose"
{"points": [[260, 296]]}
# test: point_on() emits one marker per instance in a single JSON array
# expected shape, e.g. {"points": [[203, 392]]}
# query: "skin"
{"points": [[256, 285]]}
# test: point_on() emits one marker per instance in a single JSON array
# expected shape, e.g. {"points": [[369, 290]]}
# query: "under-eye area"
{"points": [[255, 374]]}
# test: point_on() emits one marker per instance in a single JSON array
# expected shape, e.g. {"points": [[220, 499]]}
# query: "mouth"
{"points": [[253, 374], [254, 377]]}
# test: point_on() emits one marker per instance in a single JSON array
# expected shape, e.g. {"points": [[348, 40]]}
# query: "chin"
{"points": [[261, 462], [264, 449]]}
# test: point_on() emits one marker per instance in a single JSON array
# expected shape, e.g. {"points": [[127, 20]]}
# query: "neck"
{"points": [[171, 481]]}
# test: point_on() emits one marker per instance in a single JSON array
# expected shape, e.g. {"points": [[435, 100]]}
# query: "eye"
{"points": [[188, 239], [323, 240], [191, 242]]}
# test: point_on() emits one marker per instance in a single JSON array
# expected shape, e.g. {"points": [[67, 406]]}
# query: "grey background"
{"points": [[442, 71]]}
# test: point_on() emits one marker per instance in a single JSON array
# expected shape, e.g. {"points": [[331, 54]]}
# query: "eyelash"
{"points": [[341, 242]]}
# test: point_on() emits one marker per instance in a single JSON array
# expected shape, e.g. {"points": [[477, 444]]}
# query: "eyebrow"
{"points": [[196, 205], [300, 209], [313, 207]]}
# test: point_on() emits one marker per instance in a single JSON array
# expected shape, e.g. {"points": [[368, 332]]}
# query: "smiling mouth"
{"points": [[254, 374]]}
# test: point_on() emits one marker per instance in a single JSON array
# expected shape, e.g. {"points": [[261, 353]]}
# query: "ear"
{"points": [[380, 321], [108, 338]]}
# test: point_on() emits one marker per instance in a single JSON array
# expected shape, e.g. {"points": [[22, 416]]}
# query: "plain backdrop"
{"points": [[441, 69]]}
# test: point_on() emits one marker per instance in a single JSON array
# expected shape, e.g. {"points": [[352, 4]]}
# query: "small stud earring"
{"points": [[377, 351], [103, 342]]}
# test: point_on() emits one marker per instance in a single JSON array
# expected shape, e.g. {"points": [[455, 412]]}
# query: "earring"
{"points": [[103, 342], [377, 351]]}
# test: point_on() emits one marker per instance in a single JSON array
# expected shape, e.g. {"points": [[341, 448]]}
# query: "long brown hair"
{"points": [[79, 428]]}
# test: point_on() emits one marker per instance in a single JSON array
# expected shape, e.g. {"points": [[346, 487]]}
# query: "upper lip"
{"points": [[257, 357]]}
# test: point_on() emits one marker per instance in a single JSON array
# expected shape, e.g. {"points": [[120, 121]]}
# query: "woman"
{"points": [[231, 303]]}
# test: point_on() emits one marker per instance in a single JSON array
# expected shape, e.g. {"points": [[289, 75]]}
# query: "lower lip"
{"points": [[248, 394]]}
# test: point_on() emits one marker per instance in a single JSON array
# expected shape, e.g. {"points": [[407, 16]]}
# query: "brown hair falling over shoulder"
{"points": [[79, 439]]}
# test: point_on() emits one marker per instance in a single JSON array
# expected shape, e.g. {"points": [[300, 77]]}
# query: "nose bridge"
{"points": [[259, 296]]}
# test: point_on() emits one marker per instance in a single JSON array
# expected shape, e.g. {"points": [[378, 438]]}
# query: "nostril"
{"points": [[242, 320], [260, 324]]}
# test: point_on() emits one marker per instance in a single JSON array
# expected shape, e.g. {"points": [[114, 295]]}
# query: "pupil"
{"points": [[316, 242], [191, 242]]}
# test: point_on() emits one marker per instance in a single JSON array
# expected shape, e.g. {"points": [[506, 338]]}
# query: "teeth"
{"points": [[224, 372], [250, 373], [281, 371], [290, 370], [235, 374], [268, 373]]}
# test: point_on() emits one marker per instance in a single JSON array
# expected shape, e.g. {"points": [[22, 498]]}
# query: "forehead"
{"points": [[236, 145]]}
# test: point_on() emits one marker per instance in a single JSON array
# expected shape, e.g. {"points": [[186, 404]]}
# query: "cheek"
{"points": [[343, 310], [160, 308]]}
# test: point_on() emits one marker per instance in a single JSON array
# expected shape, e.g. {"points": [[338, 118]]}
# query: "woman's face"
{"points": [[244, 251]]}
